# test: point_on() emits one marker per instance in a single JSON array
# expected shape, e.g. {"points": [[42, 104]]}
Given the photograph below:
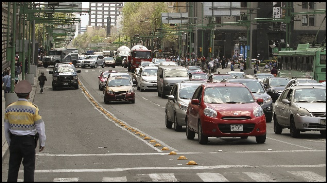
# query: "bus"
{"points": [[305, 61]]}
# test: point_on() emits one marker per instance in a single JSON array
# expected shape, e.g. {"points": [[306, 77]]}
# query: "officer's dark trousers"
{"points": [[21, 148]]}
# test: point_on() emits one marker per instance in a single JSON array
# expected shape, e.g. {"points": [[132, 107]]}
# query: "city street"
{"points": [[90, 141]]}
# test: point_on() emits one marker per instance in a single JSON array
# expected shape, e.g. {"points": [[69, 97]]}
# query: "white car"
{"points": [[237, 74], [92, 61], [147, 78]]}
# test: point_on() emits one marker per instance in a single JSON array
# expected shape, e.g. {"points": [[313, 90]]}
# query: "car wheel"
{"points": [[95, 65], [277, 128], [268, 118], [133, 101], [113, 66], [105, 101], [45, 65], [245, 137], [202, 138], [167, 122], [323, 133], [294, 132], [76, 86], [100, 88], [54, 88], [177, 127], [189, 134], [260, 139]]}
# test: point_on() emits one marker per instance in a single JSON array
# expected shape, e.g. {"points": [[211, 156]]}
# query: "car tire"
{"points": [[45, 65], [277, 128], [177, 127], [133, 101], [76, 86], [167, 122], [244, 137], [54, 88], [294, 132], [189, 134], [113, 66], [202, 138], [105, 101], [323, 133], [95, 65], [159, 95], [100, 88], [260, 139], [269, 118]]}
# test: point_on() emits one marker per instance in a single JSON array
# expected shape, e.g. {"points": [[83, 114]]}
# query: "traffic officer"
{"points": [[23, 125]]}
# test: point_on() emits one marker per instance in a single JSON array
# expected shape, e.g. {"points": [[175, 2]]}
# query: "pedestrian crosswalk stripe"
{"points": [[309, 176], [75, 179], [114, 179], [260, 177], [163, 177], [212, 177]]}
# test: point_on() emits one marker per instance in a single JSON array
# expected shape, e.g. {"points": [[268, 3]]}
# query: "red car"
{"points": [[225, 110]]}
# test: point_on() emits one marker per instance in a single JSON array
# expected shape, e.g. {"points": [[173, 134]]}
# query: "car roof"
{"points": [[223, 84], [198, 73], [149, 67], [242, 79], [263, 74]]}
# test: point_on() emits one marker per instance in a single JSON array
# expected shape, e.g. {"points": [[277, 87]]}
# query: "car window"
{"points": [[119, 82], [308, 95], [186, 92], [176, 73], [227, 95], [278, 82], [254, 86], [63, 69], [173, 91], [149, 72], [197, 93]]}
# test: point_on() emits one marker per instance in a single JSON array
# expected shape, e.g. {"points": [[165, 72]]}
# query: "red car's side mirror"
{"points": [[195, 101]]}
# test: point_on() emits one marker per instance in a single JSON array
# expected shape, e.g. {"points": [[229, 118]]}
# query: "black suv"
{"points": [[64, 75], [275, 86]]}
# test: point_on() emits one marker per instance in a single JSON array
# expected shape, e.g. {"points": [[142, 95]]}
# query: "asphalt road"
{"points": [[88, 140]]}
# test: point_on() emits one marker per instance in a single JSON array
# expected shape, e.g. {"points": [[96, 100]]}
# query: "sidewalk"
{"points": [[4, 142]]}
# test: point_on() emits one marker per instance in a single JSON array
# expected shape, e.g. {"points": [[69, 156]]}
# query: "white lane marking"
{"points": [[142, 168], [163, 177], [65, 179], [172, 168], [114, 179], [259, 177], [289, 143], [295, 166], [112, 154], [309, 176], [138, 137], [212, 177], [272, 151]]}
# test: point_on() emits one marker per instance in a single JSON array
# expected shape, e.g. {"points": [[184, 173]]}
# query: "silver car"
{"points": [[301, 108], [92, 61], [147, 78], [176, 106]]}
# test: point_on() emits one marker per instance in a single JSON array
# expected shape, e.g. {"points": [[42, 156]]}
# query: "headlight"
{"points": [[75, 77], [130, 91], [110, 91], [55, 78], [274, 91], [183, 106], [210, 112], [257, 112], [303, 112], [267, 100]]}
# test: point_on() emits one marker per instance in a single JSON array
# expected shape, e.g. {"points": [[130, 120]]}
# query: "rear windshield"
{"points": [[230, 95]]}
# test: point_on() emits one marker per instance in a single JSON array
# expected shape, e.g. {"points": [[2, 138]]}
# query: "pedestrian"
{"points": [[241, 66], [26, 65], [23, 125], [273, 71], [232, 65], [211, 65], [223, 62], [257, 64], [17, 72], [42, 78], [6, 81]]}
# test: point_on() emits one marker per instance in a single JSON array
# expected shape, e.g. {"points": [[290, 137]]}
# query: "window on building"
{"points": [[304, 5], [99, 16], [105, 13], [99, 12], [112, 8], [92, 16], [92, 12], [99, 8], [93, 8], [218, 20], [237, 18], [243, 4], [99, 4], [93, 4], [311, 5], [304, 20], [106, 8], [112, 4], [311, 21]]}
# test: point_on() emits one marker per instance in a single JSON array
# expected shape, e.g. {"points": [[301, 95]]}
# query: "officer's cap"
{"points": [[23, 87]]}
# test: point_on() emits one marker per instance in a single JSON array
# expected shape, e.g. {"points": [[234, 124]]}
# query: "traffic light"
{"points": [[210, 49], [200, 49]]}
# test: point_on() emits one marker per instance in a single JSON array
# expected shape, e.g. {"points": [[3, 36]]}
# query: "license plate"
{"points": [[238, 128], [323, 121], [65, 83]]}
